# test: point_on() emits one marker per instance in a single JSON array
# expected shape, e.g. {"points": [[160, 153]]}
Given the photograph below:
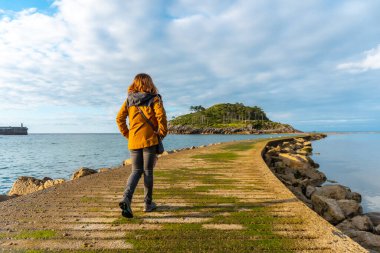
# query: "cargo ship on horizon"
{"points": [[14, 130]]}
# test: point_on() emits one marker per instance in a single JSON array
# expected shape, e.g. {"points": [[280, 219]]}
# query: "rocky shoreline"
{"points": [[290, 161], [185, 129], [25, 185]]}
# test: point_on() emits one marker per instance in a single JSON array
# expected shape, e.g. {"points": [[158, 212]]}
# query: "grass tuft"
{"points": [[240, 146], [86, 199], [4, 235], [36, 234], [123, 220], [218, 157]]}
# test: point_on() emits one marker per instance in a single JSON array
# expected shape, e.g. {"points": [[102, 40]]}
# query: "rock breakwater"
{"points": [[290, 161]]}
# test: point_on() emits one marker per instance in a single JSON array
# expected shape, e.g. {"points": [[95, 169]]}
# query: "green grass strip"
{"points": [[218, 157], [36, 234]]}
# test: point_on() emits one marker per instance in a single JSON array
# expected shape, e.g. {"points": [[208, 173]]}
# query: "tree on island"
{"points": [[197, 108]]}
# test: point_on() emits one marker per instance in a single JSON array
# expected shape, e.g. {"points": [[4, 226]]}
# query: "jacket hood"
{"points": [[140, 98]]}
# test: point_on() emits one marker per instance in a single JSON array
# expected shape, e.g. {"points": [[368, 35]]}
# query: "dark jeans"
{"points": [[142, 163]]}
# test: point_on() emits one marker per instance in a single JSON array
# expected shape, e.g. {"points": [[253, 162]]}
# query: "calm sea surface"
{"points": [[352, 159], [58, 155]]}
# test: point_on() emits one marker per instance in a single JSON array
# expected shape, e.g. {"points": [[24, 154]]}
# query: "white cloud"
{"points": [[339, 121], [370, 61], [262, 53]]}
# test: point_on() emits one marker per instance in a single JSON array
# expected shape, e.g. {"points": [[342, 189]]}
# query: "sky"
{"points": [[65, 65]]}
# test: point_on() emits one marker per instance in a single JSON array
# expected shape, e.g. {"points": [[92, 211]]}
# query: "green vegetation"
{"points": [[243, 146], [94, 209], [218, 157], [204, 183], [197, 108], [36, 234], [177, 237], [123, 220], [192, 174], [226, 115], [86, 199]]}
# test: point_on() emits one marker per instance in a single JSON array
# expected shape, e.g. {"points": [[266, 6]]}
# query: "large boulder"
{"points": [[360, 222], [377, 229], [332, 191], [307, 144], [312, 163], [346, 226], [294, 160], [302, 152], [82, 172], [329, 209], [350, 207], [309, 191], [297, 191], [26, 185], [274, 150], [317, 136], [306, 150], [127, 162], [308, 176], [314, 177], [337, 192], [52, 182], [289, 179], [298, 145], [375, 218], [287, 150], [365, 239], [268, 158], [300, 140], [104, 170], [303, 175], [355, 196]]}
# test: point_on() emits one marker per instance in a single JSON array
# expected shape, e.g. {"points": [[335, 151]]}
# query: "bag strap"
{"points": [[147, 120]]}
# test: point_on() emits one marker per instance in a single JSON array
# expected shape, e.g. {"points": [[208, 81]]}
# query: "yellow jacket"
{"points": [[140, 134]]}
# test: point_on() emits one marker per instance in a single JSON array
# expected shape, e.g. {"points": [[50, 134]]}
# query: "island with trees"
{"points": [[227, 118]]}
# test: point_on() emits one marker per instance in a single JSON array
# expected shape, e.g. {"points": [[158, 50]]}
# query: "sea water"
{"points": [[353, 160], [58, 155]]}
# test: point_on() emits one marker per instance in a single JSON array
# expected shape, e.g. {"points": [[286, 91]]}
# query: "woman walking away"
{"points": [[143, 104]]}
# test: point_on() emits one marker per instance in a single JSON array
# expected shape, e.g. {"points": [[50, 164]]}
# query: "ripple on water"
{"points": [[373, 202]]}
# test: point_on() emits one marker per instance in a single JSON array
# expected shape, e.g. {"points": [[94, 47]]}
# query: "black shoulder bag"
{"points": [[160, 146]]}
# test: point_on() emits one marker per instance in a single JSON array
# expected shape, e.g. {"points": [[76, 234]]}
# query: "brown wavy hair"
{"points": [[143, 83]]}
